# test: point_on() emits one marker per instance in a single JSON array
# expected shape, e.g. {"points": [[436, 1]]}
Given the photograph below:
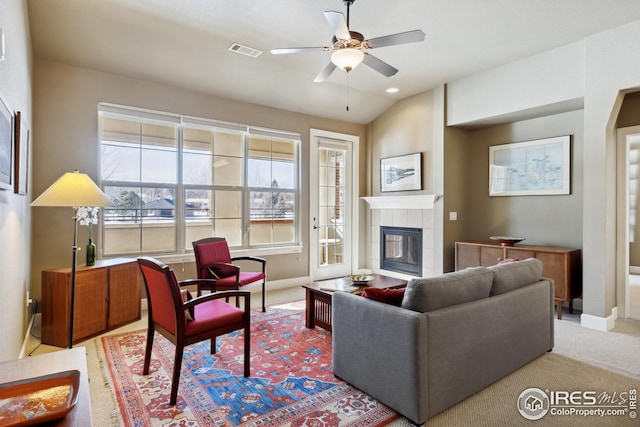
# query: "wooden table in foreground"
{"points": [[318, 307], [51, 363]]}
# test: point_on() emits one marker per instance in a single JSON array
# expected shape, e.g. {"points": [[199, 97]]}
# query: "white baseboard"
{"points": [[604, 324], [634, 269], [288, 283], [25, 343]]}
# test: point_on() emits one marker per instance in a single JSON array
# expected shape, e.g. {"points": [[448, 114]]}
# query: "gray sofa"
{"points": [[452, 336]]}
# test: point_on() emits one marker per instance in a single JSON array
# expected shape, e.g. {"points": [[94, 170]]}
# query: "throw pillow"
{"points": [[448, 289], [514, 275], [387, 296], [508, 260], [186, 297], [220, 271]]}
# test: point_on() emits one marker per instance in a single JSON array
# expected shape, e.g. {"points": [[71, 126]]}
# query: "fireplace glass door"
{"points": [[401, 250]]}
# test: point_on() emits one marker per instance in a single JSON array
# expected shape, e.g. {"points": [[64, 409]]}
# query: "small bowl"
{"points": [[506, 240], [359, 278]]}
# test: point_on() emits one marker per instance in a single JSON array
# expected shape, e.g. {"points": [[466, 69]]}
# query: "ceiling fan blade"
{"points": [[298, 50], [395, 39], [324, 74], [379, 65], [338, 24]]}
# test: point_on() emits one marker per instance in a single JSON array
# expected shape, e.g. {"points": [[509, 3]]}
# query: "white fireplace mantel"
{"points": [[422, 201]]}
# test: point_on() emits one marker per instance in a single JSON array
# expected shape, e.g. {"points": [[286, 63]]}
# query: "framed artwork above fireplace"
{"points": [[401, 173]]}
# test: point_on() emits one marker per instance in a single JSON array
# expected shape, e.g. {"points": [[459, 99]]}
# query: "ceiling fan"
{"points": [[349, 47]]}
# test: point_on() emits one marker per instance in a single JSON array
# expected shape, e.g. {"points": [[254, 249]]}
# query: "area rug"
{"points": [[291, 381]]}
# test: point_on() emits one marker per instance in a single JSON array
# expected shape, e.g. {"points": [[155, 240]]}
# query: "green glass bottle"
{"points": [[91, 253]]}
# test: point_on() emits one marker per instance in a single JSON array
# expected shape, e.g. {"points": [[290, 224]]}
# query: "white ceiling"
{"points": [[185, 43]]}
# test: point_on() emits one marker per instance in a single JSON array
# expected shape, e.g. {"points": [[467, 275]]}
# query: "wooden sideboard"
{"points": [[107, 296], [562, 265]]}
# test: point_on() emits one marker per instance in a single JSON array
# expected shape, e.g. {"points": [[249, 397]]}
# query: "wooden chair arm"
{"points": [[246, 295], [199, 282], [252, 258]]}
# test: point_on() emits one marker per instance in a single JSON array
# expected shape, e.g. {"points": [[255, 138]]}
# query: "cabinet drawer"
{"points": [[490, 255], [124, 294], [90, 314]]}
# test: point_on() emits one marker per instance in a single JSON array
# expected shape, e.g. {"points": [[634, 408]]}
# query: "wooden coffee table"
{"points": [[318, 296]]}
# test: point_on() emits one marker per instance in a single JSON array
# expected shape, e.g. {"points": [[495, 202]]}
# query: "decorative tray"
{"points": [[506, 240], [360, 278], [40, 399]]}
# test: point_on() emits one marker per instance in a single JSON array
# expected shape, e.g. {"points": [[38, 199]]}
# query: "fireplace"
{"points": [[401, 250]]}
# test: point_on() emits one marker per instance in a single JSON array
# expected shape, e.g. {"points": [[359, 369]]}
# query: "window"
{"points": [[175, 179]]}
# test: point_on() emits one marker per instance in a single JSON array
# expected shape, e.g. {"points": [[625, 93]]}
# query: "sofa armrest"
{"points": [[381, 349]]}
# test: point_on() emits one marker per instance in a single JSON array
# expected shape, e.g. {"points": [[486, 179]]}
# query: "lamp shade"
{"points": [[347, 59], [73, 189]]}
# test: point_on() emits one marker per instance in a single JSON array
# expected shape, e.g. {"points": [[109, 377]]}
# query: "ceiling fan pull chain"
{"points": [[347, 91]]}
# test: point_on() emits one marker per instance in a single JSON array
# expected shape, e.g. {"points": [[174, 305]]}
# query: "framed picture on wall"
{"points": [[6, 146], [21, 158], [401, 173], [538, 167]]}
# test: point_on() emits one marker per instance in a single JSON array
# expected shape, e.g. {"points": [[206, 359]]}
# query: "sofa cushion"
{"points": [[432, 293], [514, 275], [388, 296]]}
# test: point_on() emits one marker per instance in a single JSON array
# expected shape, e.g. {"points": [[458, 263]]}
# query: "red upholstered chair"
{"points": [[171, 317], [213, 261]]}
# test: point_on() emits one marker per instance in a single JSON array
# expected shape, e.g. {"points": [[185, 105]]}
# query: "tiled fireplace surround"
{"points": [[401, 211]]}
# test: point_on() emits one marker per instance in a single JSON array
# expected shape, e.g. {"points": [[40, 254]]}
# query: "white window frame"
{"points": [[182, 252]]}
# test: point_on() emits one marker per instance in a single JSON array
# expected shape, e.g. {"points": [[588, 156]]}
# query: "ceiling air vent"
{"points": [[245, 50]]}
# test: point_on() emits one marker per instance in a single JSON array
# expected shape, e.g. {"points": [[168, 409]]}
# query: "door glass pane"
{"points": [[331, 203]]}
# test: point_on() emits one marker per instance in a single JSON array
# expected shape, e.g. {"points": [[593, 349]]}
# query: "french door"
{"points": [[333, 179]]}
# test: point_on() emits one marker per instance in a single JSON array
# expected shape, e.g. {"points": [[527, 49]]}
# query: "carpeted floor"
{"points": [[497, 404]]}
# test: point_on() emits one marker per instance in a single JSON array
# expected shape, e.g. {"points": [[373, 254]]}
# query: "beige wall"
{"points": [[456, 177], [65, 103], [542, 220], [15, 88], [411, 125], [405, 128]]}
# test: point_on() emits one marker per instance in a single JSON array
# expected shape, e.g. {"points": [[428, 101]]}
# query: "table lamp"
{"points": [[74, 190]]}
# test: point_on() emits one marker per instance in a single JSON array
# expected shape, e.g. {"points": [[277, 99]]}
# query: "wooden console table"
{"points": [[318, 297], [562, 265], [107, 296], [51, 363]]}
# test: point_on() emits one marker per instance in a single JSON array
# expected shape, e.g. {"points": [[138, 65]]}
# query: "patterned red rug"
{"points": [[291, 381]]}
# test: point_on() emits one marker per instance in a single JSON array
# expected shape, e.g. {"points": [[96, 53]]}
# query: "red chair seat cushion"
{"points": [[212, 315], [246, 277]]}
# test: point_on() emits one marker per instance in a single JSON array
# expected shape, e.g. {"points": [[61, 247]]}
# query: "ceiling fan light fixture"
{"points": [[347, 58]]}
